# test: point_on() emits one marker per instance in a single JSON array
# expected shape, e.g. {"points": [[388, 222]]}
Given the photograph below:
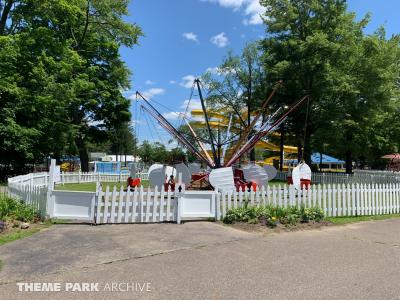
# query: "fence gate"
{"points": [[67, 205], [138, 206], [197, 204]]}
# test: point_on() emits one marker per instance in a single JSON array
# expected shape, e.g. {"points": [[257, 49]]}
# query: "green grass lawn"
{"points": [[91, 186], [17, 234], [346, 220]]}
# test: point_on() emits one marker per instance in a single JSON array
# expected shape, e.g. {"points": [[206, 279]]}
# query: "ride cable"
{"points": [[212, 141], [261, 134], [171, 129], [247, 130]]}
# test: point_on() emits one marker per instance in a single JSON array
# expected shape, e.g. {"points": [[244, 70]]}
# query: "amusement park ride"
{"points": [[225, 148]]}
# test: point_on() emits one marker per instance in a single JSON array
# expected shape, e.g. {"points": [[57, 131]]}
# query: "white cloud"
{"points": [[149, 82], [172, 115], [220, 40], [187, 81], [150, 93], [172, 81], [252, 9], [235, 4], [193, 104], [187, 106], [214, 70], [190, 36], [136, 122]]}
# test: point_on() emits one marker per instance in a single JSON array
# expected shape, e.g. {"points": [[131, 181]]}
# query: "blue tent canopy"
{"points": [[326, 159]]}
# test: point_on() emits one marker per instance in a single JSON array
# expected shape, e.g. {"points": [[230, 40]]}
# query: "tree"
{"points": [[65, 76], [123, 140], [317, 48], [145, 152], [237, 83]]}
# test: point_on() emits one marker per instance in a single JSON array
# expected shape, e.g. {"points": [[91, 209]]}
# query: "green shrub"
{"points": [[290, 219], [311, 214], [271, 215], [12, 209]]}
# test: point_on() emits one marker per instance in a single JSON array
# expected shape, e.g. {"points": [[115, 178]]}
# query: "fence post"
{"points": [[50, 188], [217, 204], [178, 197], [180, 187]]}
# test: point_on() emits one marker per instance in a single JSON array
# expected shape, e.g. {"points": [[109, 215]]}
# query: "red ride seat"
{"points": [[305, 183], [134, 182]]}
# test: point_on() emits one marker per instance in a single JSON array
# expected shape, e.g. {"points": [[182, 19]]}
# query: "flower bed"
{"points": [[271, 216], [16, 214]]}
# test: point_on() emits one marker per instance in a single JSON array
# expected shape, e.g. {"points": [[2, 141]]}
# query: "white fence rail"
{"points": [[114, 205], [138, 206], [335, 200], [360, 177], [80, 177], [34, 195]]}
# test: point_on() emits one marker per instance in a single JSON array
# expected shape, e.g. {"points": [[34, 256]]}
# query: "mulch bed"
{"points": [[259, 228]]}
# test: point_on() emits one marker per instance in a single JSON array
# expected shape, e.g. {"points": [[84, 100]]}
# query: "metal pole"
{"points": [[197, 81], [281, 147]]}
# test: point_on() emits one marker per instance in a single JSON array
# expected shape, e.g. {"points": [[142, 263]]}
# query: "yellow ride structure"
{"points": [[221, 121]]}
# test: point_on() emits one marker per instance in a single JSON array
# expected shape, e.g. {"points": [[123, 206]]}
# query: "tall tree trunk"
{"points": [[299, 151], [307, 149], [4, 16], [83, 153], [349, 162], [349, 159]]}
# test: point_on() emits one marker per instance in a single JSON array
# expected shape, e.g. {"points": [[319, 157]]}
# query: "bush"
{"points": [[14, 210], [271, 215], [311, 214]]}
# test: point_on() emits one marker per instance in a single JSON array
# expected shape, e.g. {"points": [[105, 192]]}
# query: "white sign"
{"points": [[57, 174]]}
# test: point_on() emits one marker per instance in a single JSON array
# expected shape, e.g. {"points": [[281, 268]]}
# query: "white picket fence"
{"points": [[336, 200], [41, 179], [112, 205], [81, 177], [360, 177], [34, 195], [138, 206]]}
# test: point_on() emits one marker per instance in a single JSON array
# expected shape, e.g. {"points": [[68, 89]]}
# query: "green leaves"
{"points": [[61, 77], [318, 48]]}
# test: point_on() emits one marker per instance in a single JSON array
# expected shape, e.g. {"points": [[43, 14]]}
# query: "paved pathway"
{"points": [[203, 260]]}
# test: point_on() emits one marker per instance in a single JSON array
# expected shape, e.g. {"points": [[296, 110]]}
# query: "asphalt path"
{"points": [[203, 260]]}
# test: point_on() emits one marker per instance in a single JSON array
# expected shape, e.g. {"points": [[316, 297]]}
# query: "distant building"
{"points": [[322, 161], [121, 158], [96, 156]]}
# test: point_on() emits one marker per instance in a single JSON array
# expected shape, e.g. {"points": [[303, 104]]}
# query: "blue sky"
{"points": [[183, 38]]}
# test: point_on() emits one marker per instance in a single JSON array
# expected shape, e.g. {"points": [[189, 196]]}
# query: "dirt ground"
{"points": [[259, 228]]}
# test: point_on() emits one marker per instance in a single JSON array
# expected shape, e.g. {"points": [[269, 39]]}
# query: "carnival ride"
{"points": [[223, 121], [222, 143]]}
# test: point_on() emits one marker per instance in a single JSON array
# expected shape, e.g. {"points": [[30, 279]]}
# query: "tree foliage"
{"points": [[61, 76], [318, 48]]}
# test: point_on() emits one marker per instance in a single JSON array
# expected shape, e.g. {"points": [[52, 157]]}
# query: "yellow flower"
{"points": [[273, 218]]}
